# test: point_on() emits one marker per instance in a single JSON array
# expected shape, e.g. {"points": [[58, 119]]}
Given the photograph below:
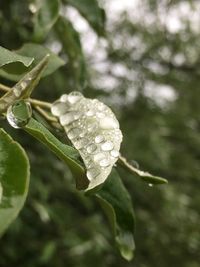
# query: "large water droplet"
{"points": [[91, 148], [92, 173], [59, 109], [80, 143], [19, 114], [73, 133], [104, 162], [74, 97], [108, 123], [69, 117], [99, 156], [64, 98], [107, 146], [114, 153]]}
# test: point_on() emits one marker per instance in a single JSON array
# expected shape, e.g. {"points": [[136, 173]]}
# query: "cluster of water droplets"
{"points": [[93, 130]]}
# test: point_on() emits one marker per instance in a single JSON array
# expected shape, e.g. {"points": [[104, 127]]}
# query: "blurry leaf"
{"points": [[72, 47], [116, 202], [45, 18], [16, 72], [8, 57], [92, 12], [66, 153], [14, 179], [146, 176]]}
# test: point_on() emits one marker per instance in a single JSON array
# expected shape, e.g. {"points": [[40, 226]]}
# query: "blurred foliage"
{"points": [[149, 74]]}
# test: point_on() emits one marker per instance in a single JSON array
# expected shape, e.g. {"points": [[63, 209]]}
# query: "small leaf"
{"points": [[45, 17], [25, 86], [14, 179], [33, 51], [93, 130], [92, 12], [8, 57], [72, 47], [145, 176], [116, 202], [66, 153]]}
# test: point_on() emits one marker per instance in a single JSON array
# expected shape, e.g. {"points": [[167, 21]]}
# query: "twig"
{"points": [[45, 114]]}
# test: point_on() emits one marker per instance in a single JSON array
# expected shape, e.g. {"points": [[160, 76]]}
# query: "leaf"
{"points": [[9, 57], [92, 12], [25, 86], [72, 47], [45, 17], [66, 153], [94, 131], [116, 202], [14, 179], [145, 176], [16, 72]]}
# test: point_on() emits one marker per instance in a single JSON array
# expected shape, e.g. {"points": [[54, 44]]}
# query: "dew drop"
{"points": [[151, 185], [107, 146], [91, 148], [114, 153], [99, 156], [17, 92], [74, 97], [92, 127], [100, 115], [64, 98], [80, 143], [59, 109], [108, 123], [98, 139], [69, 118], [104, 162], [92, 173], [73, 133], [90, 113]]}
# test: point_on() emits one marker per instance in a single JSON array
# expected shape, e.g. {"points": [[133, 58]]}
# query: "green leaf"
{"points": [[116, 202], [14, 179], [72, 47], [31, 50], [45, 17], [8, 57], [66, 153], [92, 12], [145, 176]]}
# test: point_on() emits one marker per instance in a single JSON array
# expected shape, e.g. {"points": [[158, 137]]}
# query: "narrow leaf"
{"points": [[14, 179], [45, 18], [66, 153], [116, 202], [72, 47], [92, 12], [16, 72]]}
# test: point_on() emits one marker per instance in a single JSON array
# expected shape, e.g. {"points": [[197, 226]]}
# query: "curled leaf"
{"points": [[93, 130]]}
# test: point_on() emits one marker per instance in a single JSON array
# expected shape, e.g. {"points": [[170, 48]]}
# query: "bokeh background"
{"points": [[146, 66]]}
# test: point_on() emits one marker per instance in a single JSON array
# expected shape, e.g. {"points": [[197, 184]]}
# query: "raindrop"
{"points": [[74, 97], [151, 185], [64, 98], [99, 156], [99, 138], [59, 109], [80, 143], [92, 173], [104, 162], [107, 146], [73, 133], [69, 117], [91, 148], [90, 113], [108, 123], [114, 153]]}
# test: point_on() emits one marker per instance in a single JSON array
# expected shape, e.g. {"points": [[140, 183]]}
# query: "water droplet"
{"points": [[17, 92], [74, 97], [19, 114], [92, 173], [59, 109], [99, 156], [114, 153], [73, 133], [80, 143], [151, 185], [91, 148], [98, 139], [69, 117], [23, 85], [100, 115], [108, 123], [90, 113], [104, 162], [92, 127], [33, 8], [107, 146], [101, 106], [64, 98]]}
